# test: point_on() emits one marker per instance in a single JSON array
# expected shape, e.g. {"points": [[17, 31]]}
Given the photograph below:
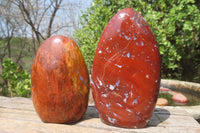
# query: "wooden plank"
{"points": [[18, 115]]}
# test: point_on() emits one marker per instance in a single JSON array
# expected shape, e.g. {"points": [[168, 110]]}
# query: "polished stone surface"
{"points": [[126, 71], [59, 81]]}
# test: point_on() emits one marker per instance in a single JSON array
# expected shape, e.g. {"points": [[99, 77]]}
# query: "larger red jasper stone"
{"points": [[59, 81], [126, 71]]}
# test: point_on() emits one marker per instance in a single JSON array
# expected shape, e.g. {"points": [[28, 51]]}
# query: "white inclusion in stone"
{"points": [[128, 55], [128, 110], [118, 30], [118, 65], [122, 15], [152, 49], [127, 38], [134, 38], [101, 103], [137, 113], [137, 43], [138, 24], [132, 86], [131, 93], [108, 105], [119, 104], [117, 83], [112, 87], [126, 97], [107, 49], [136, 100], [100, 51], [100, 83], [132, 18], [114, 114], [156, 81], [133, 56], [111, 38], [111, 120], [104, 95], [142, 44], [147, 76], [81, 78]]}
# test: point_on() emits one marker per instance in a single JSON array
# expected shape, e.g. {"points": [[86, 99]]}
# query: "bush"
{"points": [[175, 23], [16, 80]]}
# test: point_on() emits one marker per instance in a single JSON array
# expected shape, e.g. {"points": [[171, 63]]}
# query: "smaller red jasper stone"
{"points": [[179, 98], [59, 81], [126, 71]]}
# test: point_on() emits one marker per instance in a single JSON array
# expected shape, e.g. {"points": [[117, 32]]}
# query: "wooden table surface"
{"points": [[17, 115]]}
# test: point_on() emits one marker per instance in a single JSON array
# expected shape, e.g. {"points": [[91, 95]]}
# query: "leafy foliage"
{"points": [[16, 80], [21, 52], [175, 23]]}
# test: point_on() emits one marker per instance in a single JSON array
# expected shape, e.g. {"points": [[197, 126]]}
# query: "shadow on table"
{"points": [[90, 113], [160, 115]]}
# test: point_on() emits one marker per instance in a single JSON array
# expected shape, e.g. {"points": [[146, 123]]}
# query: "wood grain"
{"points": [[17, 115]]}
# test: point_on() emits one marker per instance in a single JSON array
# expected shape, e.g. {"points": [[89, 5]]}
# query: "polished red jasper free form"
{"points": [[59, 81], [126, 71]]}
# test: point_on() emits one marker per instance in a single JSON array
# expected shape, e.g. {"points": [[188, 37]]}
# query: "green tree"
{"points": [[175, 23]]}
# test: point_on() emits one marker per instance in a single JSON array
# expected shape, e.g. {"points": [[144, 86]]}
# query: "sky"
{"points": [[69, 12], [82, 5]]}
